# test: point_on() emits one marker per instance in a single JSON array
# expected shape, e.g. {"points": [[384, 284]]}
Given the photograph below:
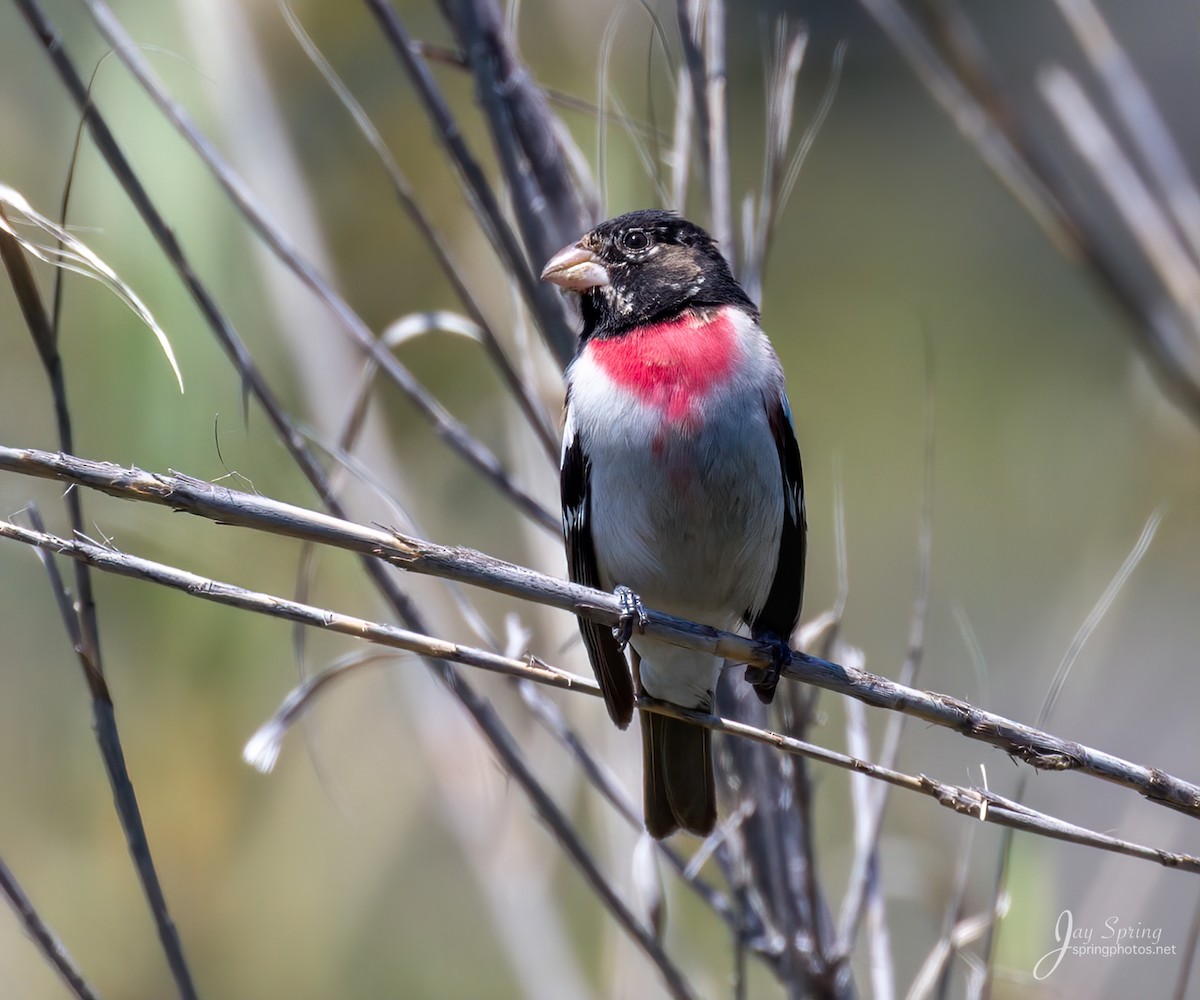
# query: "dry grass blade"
{"points": [[603, 97], [1098, 612], [782, 76], [74, 255], [1057, 682], [812, 130], [79, 615]]}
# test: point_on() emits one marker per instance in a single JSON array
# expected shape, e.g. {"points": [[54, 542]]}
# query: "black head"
{"points": [[641, 267]]}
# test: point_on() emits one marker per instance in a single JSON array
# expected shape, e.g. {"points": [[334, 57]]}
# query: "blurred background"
{"points": [[387, 855]]}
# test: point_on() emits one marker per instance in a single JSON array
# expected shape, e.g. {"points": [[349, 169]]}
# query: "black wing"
{"points": [[608, 661], [778, 616]]}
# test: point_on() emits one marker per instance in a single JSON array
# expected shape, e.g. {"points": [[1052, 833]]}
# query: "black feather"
{"points": [[779, 614], [608, 661]]}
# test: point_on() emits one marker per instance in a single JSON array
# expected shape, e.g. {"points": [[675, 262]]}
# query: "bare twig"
{"points": [[522, 391], [719, 198], [82, 625], [1167, 337], [550, 208], [870, 884], [691, 71], [978, 803], [451, 430], [541, 298], [46, 940], [1040, 749]]}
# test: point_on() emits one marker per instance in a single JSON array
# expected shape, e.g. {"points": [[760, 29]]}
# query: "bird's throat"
{"points": [[672, 365]]}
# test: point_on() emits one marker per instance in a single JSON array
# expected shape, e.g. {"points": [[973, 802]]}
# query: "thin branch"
{"points": [[550, 208], [1037, 748], [718, 125], [448, 428], [1140, 116], [874, 906], [82, 626], [1166, 337], [978, 803], [540, 297], [46, 940], [522, 392], [688, 13]]}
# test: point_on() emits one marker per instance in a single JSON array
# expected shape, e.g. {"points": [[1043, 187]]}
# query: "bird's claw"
{"points": [[766, 679], [631, 609]]}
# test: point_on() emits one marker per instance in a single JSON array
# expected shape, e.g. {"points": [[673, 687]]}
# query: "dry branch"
{"points": [[979, 803], [46, 940], [1040, 749]]}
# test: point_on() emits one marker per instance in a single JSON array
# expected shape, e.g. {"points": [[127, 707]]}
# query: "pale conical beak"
{"points": [[576, 269]]}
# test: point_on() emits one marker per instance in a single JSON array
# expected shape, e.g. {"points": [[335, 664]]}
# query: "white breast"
{"points": [[689, 518]]}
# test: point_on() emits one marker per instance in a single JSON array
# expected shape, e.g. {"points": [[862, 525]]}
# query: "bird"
{"points": [[681, 484]]}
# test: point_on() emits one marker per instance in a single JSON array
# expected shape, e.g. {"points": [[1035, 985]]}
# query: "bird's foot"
{"points": [[631, 609], [765, 679]]}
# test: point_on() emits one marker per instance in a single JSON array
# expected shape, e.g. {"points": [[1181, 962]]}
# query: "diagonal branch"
{"points": [[46, 940], [541, 298], [1035, 747], [979, 803], [448, 428], [82, 625]]}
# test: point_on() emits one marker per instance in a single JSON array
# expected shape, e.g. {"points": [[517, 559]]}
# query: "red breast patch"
{"points": [[673, 365]]}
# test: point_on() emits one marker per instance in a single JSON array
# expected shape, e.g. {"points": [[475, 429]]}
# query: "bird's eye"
{"points": [[635, 240]]}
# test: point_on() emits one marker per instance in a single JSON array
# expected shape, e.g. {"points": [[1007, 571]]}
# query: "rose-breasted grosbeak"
{"points": [[681, 480]]}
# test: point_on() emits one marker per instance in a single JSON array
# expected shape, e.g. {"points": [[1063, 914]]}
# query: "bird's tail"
{"points": [[678, 772]]}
